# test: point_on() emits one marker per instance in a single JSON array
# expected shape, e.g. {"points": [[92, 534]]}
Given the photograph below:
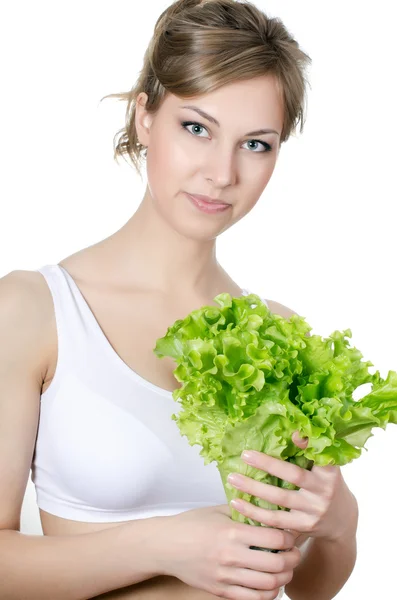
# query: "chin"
{"points": [[201, 228]]}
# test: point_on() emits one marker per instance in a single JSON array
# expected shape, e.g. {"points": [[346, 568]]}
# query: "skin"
{"points": [[323, 507], [177, 240], [213, 161]]}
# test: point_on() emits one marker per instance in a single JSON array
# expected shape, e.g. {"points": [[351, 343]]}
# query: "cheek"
{"points": [[255, 181], [167, 166], [267, 170], [169, 173]]}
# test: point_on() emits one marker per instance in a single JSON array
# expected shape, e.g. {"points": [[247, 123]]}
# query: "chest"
{"points": [[109, 436], [130, 324]]}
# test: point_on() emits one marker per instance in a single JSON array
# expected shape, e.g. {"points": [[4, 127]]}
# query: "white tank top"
{"points": [[107, 448]]}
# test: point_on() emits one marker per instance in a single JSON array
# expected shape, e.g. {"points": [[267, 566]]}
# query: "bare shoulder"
{"points": [[21, 279], [27, 300], [280, 309], [29, 290]]}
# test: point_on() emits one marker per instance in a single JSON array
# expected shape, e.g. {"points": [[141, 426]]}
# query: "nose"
{"points": [[222, 167]]}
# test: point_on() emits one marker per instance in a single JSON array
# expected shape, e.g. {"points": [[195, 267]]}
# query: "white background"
{"points": [[321, 240]]}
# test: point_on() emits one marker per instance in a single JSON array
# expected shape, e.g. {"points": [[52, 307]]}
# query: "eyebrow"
{"points": [[205, 115]]}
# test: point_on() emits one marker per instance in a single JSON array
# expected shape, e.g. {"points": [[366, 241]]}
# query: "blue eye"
{"points": [[186, 124], [265, 145]]}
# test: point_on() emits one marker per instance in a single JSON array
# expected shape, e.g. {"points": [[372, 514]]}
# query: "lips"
{"points": [[212, 207], [209, 200]]}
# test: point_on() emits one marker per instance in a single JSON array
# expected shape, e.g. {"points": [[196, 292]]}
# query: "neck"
{"points": [[151, 254]]}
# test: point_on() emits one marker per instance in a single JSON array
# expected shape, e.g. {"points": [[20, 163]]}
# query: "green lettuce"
{"points": [[250, 378]]}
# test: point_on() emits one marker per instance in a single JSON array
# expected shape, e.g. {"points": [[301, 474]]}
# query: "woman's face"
{"points": [[188, 153]]}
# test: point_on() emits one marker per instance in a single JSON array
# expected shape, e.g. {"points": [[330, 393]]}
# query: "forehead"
{"points": [[248, 100]]}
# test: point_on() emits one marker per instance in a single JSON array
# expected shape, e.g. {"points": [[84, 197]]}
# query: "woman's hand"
{"points": [[207, 550], [323, 507]]}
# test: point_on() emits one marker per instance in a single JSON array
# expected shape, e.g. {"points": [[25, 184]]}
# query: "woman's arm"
{"points": [[34, 566], [324, 569], [164, 587], [78, 567]]}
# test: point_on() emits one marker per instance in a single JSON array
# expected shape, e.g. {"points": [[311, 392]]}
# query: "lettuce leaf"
{"points": [[250, 378]]}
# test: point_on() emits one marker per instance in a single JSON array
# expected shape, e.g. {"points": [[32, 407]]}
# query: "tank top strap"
{"points": [[70, 309], [73, 328], [247, 292]]}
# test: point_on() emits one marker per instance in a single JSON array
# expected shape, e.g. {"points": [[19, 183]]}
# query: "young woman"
{"points": [[128, 509]]}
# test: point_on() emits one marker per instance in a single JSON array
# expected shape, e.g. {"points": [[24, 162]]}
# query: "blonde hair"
{"points": [[201, 45]]}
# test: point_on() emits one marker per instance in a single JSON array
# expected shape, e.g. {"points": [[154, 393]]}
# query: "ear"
{"points": [[143, 119]]}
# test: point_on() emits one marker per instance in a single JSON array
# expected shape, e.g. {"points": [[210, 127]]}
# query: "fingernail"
{"points": [[234, 478], [248, 455]]}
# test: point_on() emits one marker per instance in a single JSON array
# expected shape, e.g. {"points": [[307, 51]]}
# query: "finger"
{"points": [[287, 498], [269, 561], [327, 472], [274, 538], [255, 580], [298, 441], [237, 592], [279, 519], [282, 469]]}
